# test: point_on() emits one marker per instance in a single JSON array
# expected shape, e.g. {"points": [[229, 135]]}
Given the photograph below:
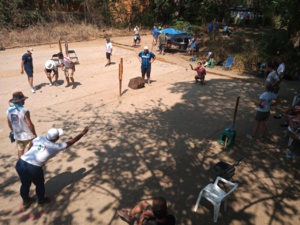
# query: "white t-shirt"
{"points": [[267, 98], [42, 150], [108, 47], [272, 77], [67, 62], [20, 129], [136, 30], [281, 68]]}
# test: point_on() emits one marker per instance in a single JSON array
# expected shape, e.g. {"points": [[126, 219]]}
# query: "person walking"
{"points": [[27, 65], [146, 58], [69, 68], [162, 39], [30, 166], [19, 122], [50, 66], [109, 50], [155, 33]]}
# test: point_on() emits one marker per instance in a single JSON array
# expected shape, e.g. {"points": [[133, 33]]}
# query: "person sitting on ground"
{"points": [[50, 66], [201, 72], [146, 213]]}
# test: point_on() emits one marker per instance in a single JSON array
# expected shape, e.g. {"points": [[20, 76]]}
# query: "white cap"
{"points": [[50, 64], [30, 50], [54, 133], [146, 48]]}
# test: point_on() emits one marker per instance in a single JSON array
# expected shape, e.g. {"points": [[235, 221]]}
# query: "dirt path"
{"points": [[160, 140]]}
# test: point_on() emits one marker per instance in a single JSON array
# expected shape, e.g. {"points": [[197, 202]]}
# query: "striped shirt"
{"points": [[146, 58]]}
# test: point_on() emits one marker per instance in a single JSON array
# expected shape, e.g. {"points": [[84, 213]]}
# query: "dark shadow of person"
{"points": [[56, 184]]}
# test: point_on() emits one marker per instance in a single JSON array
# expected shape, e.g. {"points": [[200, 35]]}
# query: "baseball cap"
{"points": [[54, 133], [146, 48], [49, 64], [30, 50]]}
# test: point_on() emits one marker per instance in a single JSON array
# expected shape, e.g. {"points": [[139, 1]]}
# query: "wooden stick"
{"points": [[120, 75], [235, 110], [66, 48], [59, 45]]}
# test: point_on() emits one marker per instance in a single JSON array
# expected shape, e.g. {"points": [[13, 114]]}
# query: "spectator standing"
{"points": [[281, 68], [109, 50], [155, 33], [162, 39], [136, 38], [146, 58], [50, 66], [69, 68], [19, 122], [272, 78], [263, 111], [30, 165], [27, 65]]}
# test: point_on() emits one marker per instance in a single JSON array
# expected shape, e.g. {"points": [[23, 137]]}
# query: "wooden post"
{"points": [[59, 45], [120, 75], [66, 48]]}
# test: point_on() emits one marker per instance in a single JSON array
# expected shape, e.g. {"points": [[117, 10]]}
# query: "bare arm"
{"points": [[259, 104], [29, 123], [153, 59], [78, 137], [22, 66], [140, 59], [145, 215], [191, 67]]}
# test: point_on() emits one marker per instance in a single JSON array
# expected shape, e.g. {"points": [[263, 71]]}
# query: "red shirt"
{"points": [[200, 71]]}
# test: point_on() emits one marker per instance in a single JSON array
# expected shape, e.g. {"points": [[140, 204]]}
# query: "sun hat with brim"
{"points": [[30, 50], [17, 97], [146, 48], [54, 133], [50, 64]]}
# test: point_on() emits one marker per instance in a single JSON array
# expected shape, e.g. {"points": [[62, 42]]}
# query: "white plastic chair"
{"points": [[293, 135], [213, 193]]}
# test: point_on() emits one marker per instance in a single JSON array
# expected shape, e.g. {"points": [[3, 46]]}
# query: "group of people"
{"points": [[40, 149], [268, 97], [51, 69]]}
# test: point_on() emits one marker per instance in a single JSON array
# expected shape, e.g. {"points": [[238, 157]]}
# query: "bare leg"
{"points": [[255, 130], [148, 78], [264, 127], [140, 207], [30, 81], [72, 79]]}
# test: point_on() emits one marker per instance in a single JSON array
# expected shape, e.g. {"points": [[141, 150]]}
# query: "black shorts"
{"points": [[107, 55], [262, 116], [146, 71]]}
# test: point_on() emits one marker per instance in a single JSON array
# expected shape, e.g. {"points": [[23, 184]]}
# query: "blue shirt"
{"points": [[28, 66], [146, 58], [155, 32]]}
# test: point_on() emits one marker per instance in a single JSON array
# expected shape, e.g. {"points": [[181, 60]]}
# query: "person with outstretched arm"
{"points": [[30, 165]]}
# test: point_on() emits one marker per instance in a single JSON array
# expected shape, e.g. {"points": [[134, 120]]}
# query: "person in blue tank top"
{"points": [[146, 58]]}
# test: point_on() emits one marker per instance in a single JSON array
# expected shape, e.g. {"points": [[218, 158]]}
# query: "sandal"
{"points": [[124, 215]]}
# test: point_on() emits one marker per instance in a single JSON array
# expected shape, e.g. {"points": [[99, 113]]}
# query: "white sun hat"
{"points": [[50, 64]]}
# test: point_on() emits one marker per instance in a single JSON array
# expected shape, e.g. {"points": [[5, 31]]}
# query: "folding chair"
{"points": [[293, 135], [228, 64], [72, 55]]}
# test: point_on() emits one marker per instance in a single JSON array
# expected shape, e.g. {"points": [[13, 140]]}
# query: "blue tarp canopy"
{"points": [[172, 31]]}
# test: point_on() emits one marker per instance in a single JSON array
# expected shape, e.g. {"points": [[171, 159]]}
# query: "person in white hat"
{"points": [[50, 66], [27, 65], [19, 122], [30, 166], [146, 58]]}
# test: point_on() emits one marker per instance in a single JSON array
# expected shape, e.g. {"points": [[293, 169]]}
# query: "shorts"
{"points": [[200, 77], [146, 71], [21, 145], [49, 71], [29, 73], [162, 47], [68, 73], [108, 55], [262, 116]]}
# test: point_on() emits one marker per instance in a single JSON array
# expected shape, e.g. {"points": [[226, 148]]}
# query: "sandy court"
{"points": [[159, 140]]}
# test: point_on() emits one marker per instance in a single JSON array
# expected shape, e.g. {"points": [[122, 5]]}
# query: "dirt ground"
{"points": [[161, 140]]}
